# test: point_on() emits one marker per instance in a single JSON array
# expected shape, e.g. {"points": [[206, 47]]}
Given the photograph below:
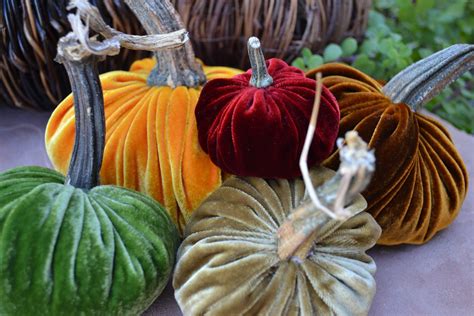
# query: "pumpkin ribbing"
{"points": [[254, 123], [420, 180], [151, 143], [282, 255], [86, 249]]}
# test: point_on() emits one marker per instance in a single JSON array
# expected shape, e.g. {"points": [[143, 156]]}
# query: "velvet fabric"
{"points": [[420, 179], [151, 139], [249, 131], [67, 251], [228, 263]]}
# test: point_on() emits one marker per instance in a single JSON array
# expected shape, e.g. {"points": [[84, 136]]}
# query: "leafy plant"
{"points": [[332, 52], [426, 26], [399, 33]]}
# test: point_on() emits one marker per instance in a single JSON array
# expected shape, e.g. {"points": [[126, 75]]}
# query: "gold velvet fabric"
{"points": [[151, 139], [228, 263], [420, 179]]}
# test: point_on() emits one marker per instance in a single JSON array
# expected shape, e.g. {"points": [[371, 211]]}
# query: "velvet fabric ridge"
{"points": [[228, 262], [249, 131], [420, 179], [151, 139]]}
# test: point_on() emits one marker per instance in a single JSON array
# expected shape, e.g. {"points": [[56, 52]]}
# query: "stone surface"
{"points": [[434, 279]]}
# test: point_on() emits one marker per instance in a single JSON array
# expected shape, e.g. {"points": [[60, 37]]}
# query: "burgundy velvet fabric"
{"points": [[260, 132]]}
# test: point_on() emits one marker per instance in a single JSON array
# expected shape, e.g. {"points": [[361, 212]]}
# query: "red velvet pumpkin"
{"points": [[254, 124]]}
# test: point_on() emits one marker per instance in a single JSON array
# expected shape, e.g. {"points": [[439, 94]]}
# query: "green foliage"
{"points": [[383, 53], [401, 32], [349, 47], [421, 28], [333, 52], [456, 103]]}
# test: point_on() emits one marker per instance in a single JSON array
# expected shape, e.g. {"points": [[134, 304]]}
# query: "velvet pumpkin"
{"points": [[231, 260], [254, 124], [151, 143], [420, 180], [70, 246]]}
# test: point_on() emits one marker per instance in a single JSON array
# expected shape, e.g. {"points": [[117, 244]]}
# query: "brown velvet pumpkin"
{"points": [[234, 259], [151, 142], [420, 180]]}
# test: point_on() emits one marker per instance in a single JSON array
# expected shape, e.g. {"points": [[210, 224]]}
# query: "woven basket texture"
{"points": [[30, 29]]}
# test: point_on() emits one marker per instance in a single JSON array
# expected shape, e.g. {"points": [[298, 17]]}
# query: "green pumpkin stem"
{"points": [[86, 157], [260, 76], [422, 81], [74, 52], [175, 67]]}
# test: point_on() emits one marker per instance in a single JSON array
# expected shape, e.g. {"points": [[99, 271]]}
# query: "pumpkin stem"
{"points": [[308, 222], [260, 76], [422, 81], [91, 15], [175, 67], [81, 66]]}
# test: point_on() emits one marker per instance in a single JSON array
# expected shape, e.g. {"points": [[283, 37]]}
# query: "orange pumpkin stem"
{"points": [[175, 67], [422, 81]]}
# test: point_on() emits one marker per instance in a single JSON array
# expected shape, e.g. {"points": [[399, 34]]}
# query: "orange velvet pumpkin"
{"points": [[151, 139], [151, 134], [420, 179]]}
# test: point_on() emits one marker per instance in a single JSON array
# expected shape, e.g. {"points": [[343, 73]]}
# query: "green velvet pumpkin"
{"points": [[69, 246], [64, 250]]}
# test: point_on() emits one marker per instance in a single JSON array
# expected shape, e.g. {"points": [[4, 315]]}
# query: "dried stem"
{"points": [[81, 66], [260, 76], [308, 221], [422, 81], [153, 42], [177, 67], [325, 210]]}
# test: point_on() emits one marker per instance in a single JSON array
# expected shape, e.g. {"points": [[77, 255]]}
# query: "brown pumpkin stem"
{"points": [[81, 67], [175, 67], [308, 223], [422, 81], [260, 76], [91, 15], [176, 63]]}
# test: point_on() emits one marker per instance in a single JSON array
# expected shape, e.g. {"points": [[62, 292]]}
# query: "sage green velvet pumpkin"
{"points": [[67, 251], [229, 263]]}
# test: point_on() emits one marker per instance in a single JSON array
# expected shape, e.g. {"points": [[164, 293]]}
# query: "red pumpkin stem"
{"points": [[422, 81], [260, 76]]}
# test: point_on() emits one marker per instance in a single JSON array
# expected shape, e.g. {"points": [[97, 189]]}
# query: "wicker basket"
{"points": [[220, 28], [29, 31]]}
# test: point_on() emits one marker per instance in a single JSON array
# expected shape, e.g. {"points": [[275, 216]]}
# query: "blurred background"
{"points": [[379, 37]]}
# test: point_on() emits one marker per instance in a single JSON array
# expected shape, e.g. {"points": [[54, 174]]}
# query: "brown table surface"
{"points": [[434, 279]]}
